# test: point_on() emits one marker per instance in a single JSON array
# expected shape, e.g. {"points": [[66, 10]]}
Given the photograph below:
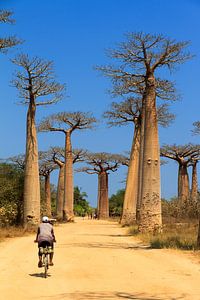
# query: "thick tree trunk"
{"points": [[103, 212], [48, 195], [183, 183], [31, 174], [139, 200], [194, 188], [198, 237], [150, 208], [131, 192], [60, 193], [68, 210]]}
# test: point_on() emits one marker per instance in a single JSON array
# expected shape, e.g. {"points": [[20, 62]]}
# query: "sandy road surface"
{"points": [[96, 260]]}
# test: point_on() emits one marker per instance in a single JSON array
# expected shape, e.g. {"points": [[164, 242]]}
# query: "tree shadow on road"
{"points": [[114, 295], [126, 246], [103, 234]]}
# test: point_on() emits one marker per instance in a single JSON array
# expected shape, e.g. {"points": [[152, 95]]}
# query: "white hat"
{"points": [[45, 219]]}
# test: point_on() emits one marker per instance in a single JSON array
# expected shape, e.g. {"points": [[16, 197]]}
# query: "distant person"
{"points": [[45, 237]]}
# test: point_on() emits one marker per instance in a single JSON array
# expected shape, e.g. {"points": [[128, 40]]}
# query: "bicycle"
{"points": [[45, 251]]}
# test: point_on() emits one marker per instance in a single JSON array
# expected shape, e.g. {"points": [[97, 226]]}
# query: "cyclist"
{"points": [[45, 237]]}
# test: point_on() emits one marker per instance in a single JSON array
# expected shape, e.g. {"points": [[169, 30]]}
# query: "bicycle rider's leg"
{"points": [[51, 257], [41, 244]]}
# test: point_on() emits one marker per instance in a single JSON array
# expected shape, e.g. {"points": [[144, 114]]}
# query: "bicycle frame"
{"points": [[45, 258]]}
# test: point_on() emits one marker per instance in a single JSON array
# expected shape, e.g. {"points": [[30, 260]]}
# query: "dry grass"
{"points": [[11, 232], [176, 235]]}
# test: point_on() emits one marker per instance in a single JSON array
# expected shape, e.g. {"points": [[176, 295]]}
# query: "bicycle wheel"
{"points": [[45, 265]]}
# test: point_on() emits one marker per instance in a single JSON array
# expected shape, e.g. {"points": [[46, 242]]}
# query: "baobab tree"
{"points": [[194, 185], [19, 160], [35, 85], [196, 131], [58, 156], [185, 156], [67, 123], [130, 111], [46, 167], [11, 41], [101, 164], [140, 58]]}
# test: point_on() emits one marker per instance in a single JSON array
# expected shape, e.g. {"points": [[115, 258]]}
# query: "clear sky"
{"points": [[75, 34]]}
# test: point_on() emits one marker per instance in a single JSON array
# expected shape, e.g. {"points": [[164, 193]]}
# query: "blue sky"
{"points": [[75, 34]]}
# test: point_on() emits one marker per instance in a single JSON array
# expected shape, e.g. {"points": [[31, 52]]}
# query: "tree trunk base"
{"points": [[103, 216], [31, 221], [128, 219], [150, 223], [68, 217]]}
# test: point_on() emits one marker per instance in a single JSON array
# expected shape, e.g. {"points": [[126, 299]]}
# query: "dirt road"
{"points": [[97, 260]]}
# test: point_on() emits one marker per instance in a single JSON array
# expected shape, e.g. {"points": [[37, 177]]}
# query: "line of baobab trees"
{"points": [[135, 75]]}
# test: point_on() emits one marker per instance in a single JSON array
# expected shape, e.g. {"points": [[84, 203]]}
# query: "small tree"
{"points": [[184, 156], [100, 164], [116, 203], [81, 206], [58, 155], [34, 81], [46, 166], [11, 194], [67, 123]]}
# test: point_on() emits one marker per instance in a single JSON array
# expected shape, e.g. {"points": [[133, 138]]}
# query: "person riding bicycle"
{"points": [[45, 237]]}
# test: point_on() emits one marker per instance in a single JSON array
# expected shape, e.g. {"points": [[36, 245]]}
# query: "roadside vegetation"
{"points": [[180, 227]]}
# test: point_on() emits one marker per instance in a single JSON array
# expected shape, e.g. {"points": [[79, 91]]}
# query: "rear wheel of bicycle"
{"points": [[45, 265]]}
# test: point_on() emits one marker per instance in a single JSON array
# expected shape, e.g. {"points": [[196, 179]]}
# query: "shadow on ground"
{"points": [[39, 275], [113, 295], [126, 246]]}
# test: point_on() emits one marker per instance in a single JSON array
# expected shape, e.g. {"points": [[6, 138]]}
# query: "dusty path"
{"points": [[96, 260]]}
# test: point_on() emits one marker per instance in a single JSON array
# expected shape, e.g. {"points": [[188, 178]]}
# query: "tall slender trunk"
{"points": [[98, 196], [48, 195], [131, 192], [103, 212], [194, 188], [183, 183], [60, 193], [68, 210], [139, 200], [31, 211], [150, 208]]}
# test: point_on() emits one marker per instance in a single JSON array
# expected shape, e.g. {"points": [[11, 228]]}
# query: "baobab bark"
{"points": [[68, 210], [194, 188], [131, 191], [31, 173], [98, 196], [140, 170], [183, 183], [198, 237], [60, 192], [150, 208], [103, 212], [48, 195]]}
